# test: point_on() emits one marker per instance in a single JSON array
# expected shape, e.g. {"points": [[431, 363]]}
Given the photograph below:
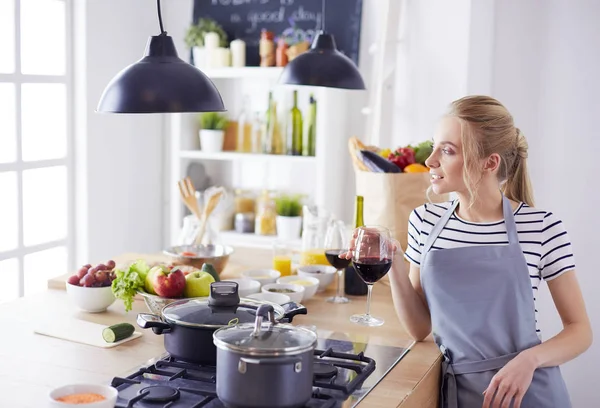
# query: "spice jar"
{"points": [[267, 48], [281, 58], [244, 222], [266, 215], [244, 202]]}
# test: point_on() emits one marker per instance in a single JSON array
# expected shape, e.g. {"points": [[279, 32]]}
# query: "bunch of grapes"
{"points": [[94, 276]]}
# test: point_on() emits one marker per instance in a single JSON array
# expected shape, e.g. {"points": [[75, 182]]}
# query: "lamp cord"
{"points": [[323, 16], [160, 23]]}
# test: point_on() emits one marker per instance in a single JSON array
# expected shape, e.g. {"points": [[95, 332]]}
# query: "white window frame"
{"points": [[17, 78]]}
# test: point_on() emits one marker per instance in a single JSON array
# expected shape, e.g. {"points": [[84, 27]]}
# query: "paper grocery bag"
{"points": [[389, 198]]}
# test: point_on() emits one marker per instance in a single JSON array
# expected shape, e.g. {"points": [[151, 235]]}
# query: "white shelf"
{"points": [[234, 239], [230, 156], [244, 72]]}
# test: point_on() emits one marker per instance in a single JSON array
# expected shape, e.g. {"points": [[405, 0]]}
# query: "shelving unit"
{"points": [[326, 178]]}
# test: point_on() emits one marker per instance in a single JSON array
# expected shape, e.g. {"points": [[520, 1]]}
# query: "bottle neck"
{"points": [[358, 216], [295, 99]]}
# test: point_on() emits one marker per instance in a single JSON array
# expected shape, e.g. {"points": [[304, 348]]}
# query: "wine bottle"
{"points": [[353, 284], [308, 147], [294, 129]]}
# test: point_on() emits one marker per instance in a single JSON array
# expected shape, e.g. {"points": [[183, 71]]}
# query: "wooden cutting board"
{"points": [[79, 331]]}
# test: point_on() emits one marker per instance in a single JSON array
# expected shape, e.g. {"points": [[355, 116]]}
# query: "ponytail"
{"points": [[518, 185]]}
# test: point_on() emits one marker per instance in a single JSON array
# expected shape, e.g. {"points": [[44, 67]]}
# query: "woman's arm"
{"points": [[409, 299], [576, 335]]}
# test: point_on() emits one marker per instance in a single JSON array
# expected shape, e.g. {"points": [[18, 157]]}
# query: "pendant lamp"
{"points": [[323, 65], [160, 82]]}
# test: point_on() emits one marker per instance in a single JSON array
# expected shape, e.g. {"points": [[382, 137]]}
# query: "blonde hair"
{"points": [[488, 128]]}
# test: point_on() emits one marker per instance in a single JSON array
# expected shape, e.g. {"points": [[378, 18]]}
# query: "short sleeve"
{"points": [[556, 254], [413, 247]]}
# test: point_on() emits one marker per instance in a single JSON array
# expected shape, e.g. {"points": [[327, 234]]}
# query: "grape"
{"points": [[111, 264], [88, 280], [87, 266], [101, 267], [93, 270], [81, 273], [101, 276], [73, 280]]}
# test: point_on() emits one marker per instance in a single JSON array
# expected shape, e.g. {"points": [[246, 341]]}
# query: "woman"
{"points": [[476, 264]]}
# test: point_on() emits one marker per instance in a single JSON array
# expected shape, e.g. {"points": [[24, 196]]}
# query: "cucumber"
{"points": [[211, 269], [117, 332]]}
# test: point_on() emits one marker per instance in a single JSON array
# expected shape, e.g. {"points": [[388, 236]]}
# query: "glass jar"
{"points": [[245, 202], [266, 214], [314, 229]]}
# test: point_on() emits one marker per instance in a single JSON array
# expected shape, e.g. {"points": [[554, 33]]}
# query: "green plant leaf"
{"points": [[289, 205], [213, 121]]}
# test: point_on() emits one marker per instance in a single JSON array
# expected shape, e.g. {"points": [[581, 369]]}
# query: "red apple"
{"points": [[168, 284]]}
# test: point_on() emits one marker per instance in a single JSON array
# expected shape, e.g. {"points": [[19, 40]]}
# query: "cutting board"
{"points": [[79, 331]]}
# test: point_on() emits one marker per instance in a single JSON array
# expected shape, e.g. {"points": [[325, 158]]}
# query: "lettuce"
{"points": [[129, 281]]}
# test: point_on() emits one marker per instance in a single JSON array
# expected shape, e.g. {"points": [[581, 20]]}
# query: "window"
{"points": [[36, 202]]}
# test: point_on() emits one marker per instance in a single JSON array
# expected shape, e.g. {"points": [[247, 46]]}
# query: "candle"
{"points": [[238, 53], [211, 40]]}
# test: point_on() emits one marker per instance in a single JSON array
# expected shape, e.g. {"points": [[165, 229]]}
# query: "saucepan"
{"points": [[188, 324]]}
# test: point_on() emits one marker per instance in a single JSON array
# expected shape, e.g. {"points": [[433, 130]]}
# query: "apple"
{"points": [[149, 282], [197, 284], [168, 284]]}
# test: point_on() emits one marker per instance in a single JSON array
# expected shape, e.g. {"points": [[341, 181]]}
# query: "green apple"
{"points": [[197, 284]]}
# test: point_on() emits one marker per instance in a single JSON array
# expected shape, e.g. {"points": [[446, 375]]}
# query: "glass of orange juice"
{"points": [[282, 258]]}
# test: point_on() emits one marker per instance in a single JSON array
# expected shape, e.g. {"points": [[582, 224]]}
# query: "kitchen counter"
{"points": [[31, 365]]}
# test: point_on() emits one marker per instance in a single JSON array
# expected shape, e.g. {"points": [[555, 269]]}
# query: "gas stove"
{"points": [[342, 377]]}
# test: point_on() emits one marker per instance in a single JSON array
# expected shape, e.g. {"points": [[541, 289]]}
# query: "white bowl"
{"points": [[324, 273], [264, 276], [92, 299], [278, 298], [106, 391], [310, 284], [295, 296], [246, 286]]}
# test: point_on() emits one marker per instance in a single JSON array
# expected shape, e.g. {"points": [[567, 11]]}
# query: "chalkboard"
{"points": [[244, 19]]}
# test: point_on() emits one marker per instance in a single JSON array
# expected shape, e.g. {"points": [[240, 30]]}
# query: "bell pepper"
{"points": [[402, 157]]}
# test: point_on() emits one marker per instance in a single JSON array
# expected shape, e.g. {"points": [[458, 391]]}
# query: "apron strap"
{"points": [[509, 221], [438, 227]]}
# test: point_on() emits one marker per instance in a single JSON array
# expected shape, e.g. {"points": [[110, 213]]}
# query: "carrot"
{"points": [[81, 398]]}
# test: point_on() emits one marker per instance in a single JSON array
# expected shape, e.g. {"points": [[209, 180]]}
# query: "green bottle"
{"points": [[311, 129], [294, 129]]}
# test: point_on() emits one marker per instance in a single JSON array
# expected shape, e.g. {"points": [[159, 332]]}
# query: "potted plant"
{"points": [[212, 131], [194, 39], [289, 216], [296, 39]]}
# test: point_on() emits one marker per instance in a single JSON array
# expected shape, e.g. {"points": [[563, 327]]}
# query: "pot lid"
{"points": [[222, 308], [265, 338]]}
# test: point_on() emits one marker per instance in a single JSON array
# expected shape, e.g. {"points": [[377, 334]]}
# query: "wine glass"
{"points": [[336, 243], [372, 259]]}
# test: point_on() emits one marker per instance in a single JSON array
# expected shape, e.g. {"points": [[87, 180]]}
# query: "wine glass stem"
{"points": [[370, 289], [339, 283]]}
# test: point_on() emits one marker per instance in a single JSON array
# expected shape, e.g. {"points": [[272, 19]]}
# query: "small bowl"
{"points": [[216, 255], [310, 284], [108, 392], [264, 276], [295, 296], [324, 273], [93, 300], [278, 298], [246, 286]]}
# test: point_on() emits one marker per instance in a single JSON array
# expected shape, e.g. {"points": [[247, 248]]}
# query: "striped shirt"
{"points": [[542, 236]]}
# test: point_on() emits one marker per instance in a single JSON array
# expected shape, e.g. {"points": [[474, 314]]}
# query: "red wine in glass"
{"points": [[333, 258], [372, 269]]}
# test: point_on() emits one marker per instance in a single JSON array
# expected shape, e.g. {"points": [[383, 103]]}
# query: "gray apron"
{"points": [[483, 315]]}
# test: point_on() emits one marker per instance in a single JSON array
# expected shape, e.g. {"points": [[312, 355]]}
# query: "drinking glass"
{"points": [[372, 259], [336, 243]]}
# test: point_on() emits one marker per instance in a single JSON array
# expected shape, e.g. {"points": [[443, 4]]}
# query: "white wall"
{"points": [[541, 61], [119, 156]]}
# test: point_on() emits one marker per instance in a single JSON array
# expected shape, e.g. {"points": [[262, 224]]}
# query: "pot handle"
{"points": [[264, 311], [292, 309], [147, 320], [294, 361]]}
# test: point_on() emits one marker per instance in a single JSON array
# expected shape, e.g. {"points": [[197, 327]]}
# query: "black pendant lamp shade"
{"points": [[160, 82], [323, 65]]}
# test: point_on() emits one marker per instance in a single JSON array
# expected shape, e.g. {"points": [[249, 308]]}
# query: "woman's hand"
{"points": [[369, 235], [511, 382]]}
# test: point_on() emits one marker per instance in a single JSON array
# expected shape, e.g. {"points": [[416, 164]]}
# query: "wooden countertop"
{"points": [[32, 365]]}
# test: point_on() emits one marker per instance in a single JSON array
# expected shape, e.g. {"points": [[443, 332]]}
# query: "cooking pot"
{"points": [[188, 324], [264, 365]]}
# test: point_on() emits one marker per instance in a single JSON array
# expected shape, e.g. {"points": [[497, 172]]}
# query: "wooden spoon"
{"points": [[188, 195], [213, 201]]}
